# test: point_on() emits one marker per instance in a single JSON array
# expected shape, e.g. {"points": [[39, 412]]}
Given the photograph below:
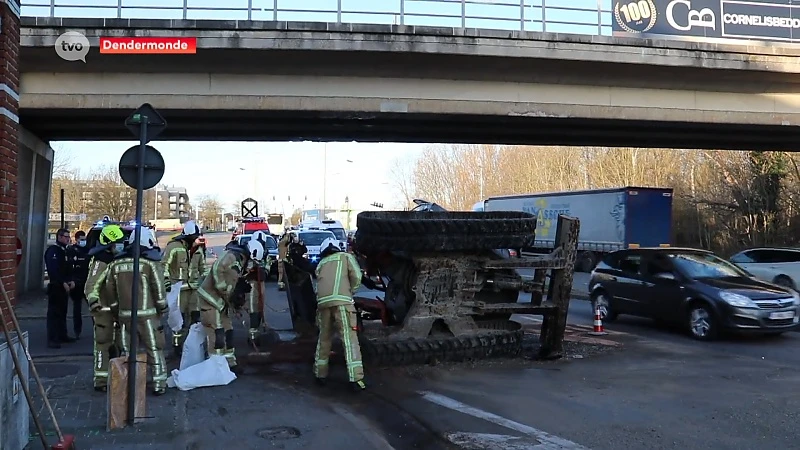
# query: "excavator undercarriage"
{"points": [[449, 292]]}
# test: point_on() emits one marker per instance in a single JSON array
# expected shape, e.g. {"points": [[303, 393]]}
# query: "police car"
{"points": [[313, 238], [334, 226], [127, 228]]}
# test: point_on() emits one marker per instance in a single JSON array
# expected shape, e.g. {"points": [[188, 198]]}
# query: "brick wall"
{"points": [[9, 129]]}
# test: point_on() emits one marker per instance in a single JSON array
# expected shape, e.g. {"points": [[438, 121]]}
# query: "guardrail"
{"points": [[559, 16]]}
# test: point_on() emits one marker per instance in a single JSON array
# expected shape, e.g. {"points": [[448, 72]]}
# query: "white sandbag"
{"points": [[193, 350], [174, 319], [212, 372]]}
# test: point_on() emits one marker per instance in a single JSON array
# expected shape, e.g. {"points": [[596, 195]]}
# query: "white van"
{"points": [[334, 226]]}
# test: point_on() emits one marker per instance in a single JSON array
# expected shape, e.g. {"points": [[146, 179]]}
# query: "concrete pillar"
{"points": [[34, 177], [9, 129]]}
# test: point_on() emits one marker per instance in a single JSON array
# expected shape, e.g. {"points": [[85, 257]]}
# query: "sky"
{"points": [[364, 180], [200, 168]]}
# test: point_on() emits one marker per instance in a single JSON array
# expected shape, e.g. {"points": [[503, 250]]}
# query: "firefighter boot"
{"points": [[254, 334], [358, 386]]}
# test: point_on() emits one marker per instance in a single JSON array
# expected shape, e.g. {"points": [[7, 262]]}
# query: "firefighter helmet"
{"points": [[255, 250], [110, 234]]}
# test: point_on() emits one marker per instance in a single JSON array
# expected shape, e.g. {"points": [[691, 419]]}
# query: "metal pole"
{"points": [[339, 11], [133, 350], [544, 21], [522, 14], [463, 14], [63, 222], [249, 9], [402, 12], [599, 17], [119, 9], [52, 8], [324, 179], [155, 205], [275, 10], [185, 9]]}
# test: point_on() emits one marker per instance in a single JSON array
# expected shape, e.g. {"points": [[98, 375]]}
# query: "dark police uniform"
{"points": [[79, 256], [59, 269]]}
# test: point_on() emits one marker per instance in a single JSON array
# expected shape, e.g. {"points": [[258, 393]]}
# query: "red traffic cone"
{"points": [[598, 324]]}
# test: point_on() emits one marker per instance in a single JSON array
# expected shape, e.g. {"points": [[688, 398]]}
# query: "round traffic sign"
{"points": [[153, 167], [19, 251]]}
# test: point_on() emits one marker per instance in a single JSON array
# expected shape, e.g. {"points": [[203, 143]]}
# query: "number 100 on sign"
{"points": [[635, 16]]}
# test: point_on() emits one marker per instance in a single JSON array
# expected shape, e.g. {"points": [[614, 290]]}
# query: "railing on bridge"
{"points": [[559, 16]]}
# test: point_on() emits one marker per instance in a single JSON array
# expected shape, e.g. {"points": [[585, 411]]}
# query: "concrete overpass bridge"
{"points": [[268, 80]]}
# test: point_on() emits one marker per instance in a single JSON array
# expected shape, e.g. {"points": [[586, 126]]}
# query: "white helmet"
{"points": [[327, 243], [255, 249], [259, 236], [190, 228], [146, 240]]}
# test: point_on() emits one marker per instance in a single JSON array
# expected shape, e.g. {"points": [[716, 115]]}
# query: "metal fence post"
{"points": [[522, 15], [52, 8], [339, 11], [185, 9], [463, 13], [599, 17], [119, 9], [402, 12], [275, 10], [249, 9], [544, 19]]}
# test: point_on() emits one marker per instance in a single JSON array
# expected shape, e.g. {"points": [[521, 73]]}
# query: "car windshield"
{"points": [[243, 239], [339, 233], [271, 244], [315, 238], [703, 265]]}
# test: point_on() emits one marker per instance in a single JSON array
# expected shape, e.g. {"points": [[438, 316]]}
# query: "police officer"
{"points": [[338, 278], [59, 270], [176, 269], [109, 243], [79, 255], [296, 255], [152, 304], [221, 293]]}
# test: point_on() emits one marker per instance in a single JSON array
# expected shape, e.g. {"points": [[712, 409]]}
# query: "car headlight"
{"points": [[305, 255], [795, 298], [737, 300]]}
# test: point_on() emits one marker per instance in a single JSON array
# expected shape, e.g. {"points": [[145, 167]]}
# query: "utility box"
{"points": [[14, 410]]}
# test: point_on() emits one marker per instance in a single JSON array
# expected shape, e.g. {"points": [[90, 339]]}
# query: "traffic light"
{"points": [[376, 204]]}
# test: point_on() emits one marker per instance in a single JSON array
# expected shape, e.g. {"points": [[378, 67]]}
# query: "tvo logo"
{"points": [[704, 18], [72, 46]]}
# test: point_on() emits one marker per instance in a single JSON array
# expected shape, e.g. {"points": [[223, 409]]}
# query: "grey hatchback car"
{"points": [[693, 288]]}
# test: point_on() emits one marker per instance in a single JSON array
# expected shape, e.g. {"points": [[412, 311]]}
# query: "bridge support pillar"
{"points": [[9, 130], [34, 181]]}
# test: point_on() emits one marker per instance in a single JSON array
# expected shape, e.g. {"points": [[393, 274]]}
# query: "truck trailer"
{"points": [[611, 219]]}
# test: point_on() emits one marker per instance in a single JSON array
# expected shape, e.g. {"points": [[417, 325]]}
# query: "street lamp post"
{"points": [[325, 180], [255, 183]]}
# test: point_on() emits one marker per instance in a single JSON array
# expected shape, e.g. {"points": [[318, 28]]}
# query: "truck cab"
{"points": [[250, 225]]}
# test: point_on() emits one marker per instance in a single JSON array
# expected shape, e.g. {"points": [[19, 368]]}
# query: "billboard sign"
{"points": [[776, 21]]}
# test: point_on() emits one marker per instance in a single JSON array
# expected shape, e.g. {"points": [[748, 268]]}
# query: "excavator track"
{"points": [[497, 338]]}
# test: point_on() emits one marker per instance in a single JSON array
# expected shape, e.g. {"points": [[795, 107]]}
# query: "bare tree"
{"points": [[110, 196], [401, 176], [210, 209]]}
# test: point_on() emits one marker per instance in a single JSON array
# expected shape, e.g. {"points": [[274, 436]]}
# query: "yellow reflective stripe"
{"points": [[344, 319], [213, 301], [142, 312], [333, 298]]}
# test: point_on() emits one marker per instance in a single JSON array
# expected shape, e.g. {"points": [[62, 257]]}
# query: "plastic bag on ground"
{"points": [[174, 319], [212, 372], [193, 350]]}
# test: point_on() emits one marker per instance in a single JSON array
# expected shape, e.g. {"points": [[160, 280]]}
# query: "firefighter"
{"points": [[283, 250], [222, 292], [198, 269], [296, 255], [152, 304], [110, 242], [338, 278], [256, 276], [176, 268]]}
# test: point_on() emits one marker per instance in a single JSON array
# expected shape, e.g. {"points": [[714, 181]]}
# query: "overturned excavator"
{"points": [[449, 289]]}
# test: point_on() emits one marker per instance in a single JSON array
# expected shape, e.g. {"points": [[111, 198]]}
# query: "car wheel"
{"points": [[603, 302], [784, 281], [702, 324]]}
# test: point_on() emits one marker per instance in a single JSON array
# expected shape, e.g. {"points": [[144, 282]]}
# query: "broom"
{"points": [[65, 442]]}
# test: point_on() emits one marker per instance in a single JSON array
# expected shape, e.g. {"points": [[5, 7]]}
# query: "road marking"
{"points": [[546, 440]]}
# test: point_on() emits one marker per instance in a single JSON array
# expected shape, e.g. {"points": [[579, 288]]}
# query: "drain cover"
{"points": [[278, 433]]}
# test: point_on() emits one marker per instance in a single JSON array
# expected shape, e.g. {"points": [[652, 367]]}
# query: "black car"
{"points": [[692, 288]]}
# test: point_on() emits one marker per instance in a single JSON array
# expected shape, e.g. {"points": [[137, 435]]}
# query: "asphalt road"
{"points": [[657, 389]]}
